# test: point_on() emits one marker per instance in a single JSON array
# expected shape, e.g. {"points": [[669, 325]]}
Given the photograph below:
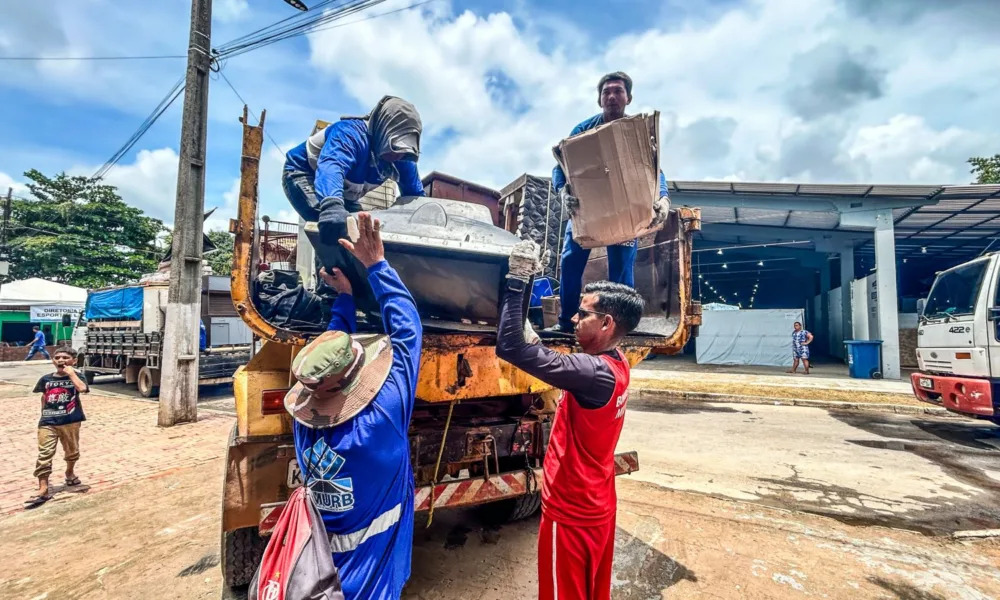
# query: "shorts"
{"points": [[800, 352]]}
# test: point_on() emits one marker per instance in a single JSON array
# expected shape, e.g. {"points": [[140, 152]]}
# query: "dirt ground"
{"points": [[158, 538], [730, 502]]}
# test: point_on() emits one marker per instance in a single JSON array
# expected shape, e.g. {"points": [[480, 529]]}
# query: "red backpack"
{"points": [[297, 563]]}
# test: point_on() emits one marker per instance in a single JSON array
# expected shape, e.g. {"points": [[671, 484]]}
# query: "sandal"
{"points": [[71, 481], [36, 501]]}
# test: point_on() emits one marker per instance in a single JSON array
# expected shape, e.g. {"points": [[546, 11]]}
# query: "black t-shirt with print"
{"points": [[62, 400]]}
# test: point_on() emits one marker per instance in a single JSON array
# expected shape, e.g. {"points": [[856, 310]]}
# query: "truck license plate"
{"points": [[294, 474], [927, 383]]}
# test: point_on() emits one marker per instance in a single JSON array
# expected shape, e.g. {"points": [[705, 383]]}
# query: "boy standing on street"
{"points": [[37, 344], [62, 414]]}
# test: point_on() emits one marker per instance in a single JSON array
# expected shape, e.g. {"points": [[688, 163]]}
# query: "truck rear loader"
{"points": [[480, 427]]}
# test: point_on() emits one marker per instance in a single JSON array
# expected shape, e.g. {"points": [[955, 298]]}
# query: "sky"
{"points": [[896, 91]]}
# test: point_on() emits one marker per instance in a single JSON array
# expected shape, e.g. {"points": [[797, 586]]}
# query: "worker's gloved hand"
{"points": [[523, 262], [332, 222], [571, 202], [529, 333], [661, 210]]}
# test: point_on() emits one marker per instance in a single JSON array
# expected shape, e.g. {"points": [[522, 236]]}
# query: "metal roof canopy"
{"points": [[947, 222]]}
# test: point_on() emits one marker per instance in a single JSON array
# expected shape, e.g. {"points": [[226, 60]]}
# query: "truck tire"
{"points": [[513, 509], [242, 551], [148, 382], [89, 377]]}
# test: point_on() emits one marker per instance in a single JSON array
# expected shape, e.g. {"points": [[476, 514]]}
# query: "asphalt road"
{"points": [[934, 475]]}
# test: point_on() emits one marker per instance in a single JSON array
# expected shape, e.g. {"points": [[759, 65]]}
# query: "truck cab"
{"points": [[958, 341]]}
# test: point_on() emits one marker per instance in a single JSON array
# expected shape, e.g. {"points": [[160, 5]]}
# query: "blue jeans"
{"points": [[621, 263], [36, 349]]}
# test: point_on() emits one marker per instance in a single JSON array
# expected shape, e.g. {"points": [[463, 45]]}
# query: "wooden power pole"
{"points": [[179, 378]]}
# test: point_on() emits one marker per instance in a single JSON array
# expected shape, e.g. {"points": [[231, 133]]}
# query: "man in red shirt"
{"points": [[576, 537]]}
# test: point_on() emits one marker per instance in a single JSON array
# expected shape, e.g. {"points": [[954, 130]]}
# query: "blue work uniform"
{"points": [[38, 345], [336, 163], [368, 457], [573, 261]]}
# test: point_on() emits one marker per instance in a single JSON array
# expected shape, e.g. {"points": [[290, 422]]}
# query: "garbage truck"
{"points": [[958, 341], [120, 332], [480, 427]]}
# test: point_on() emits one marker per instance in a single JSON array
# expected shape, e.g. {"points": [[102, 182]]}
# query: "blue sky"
{"points": [[811, 90]]}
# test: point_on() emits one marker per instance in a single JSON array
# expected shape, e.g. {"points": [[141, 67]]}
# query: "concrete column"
{"points": [[823, 326], [888, 310], [846, 277]]}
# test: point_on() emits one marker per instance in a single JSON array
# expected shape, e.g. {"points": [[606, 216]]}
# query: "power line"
{"points": [[289, 27], [145, 126], [87, 239], [45, 58], [247, 104]]}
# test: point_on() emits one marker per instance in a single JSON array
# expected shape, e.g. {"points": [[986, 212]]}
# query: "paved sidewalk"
{"points": [[826, 383], [119, 443]]}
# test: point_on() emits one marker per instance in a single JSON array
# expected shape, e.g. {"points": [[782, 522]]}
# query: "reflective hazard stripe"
{"points": [[555, 577], [350, 541]]}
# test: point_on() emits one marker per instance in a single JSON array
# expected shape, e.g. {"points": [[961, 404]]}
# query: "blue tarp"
{"points": [[123, 303], [541, 288]]}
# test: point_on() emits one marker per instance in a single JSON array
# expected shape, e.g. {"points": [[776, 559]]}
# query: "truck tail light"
{"points": [[272, 402], [963, 356]]}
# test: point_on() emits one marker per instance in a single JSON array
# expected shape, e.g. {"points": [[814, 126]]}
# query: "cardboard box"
{"points": [[550, 310], [614, 170]]}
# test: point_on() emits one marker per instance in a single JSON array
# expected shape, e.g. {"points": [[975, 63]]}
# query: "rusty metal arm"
{"points": [[244, 229]]}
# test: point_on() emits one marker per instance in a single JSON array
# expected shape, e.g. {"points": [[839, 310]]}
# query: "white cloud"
{"points": [[228, 11], [732, 71], [7, 182], [907, 149]]}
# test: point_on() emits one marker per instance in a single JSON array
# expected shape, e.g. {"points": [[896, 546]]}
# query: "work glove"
{"points": [[523, 262], [661, 210], [571, 202], [332, 221], [529, 333]]}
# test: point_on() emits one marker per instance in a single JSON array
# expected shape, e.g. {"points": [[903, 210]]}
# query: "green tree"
{"points": [[986, 169], [79, 231], [221, 260]]}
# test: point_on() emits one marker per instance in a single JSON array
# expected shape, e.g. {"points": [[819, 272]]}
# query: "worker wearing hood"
{"points": [[325, 177]]}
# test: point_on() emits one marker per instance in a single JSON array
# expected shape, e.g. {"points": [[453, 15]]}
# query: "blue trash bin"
{"points": [[864, 358]]}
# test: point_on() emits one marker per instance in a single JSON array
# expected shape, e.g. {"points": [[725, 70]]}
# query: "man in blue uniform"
{"points": [[614, 93], [325, 177], [352, 408]]}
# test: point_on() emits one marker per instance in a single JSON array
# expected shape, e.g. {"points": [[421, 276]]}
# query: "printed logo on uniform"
{"points": [[331, 493], [272, 591], [620, 403]]}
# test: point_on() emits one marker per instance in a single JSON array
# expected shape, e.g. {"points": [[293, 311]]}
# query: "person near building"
{"points": [[62, 414], [325, 176], [577, 532], [800, 347], [37, 345], [614, 93], [351, 408]]}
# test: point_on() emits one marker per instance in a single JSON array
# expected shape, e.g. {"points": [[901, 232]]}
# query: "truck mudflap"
{"points": [[466, 492], [965, 395]]}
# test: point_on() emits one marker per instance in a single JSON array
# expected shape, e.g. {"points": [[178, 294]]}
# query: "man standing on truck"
{"points": [[614, 93], [577, 533], [325, 176], [352, 408]]}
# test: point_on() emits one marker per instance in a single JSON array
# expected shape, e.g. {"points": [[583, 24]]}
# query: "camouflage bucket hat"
{"points": [[338, 375]]}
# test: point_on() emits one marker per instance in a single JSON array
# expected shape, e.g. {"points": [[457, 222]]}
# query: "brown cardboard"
{"points": [[614, 170]]}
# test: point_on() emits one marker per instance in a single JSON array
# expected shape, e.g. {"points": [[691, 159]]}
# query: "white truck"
{"points": [[958, 341]]}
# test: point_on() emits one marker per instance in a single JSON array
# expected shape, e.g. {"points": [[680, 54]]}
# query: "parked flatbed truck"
{"points": [[480, 427], [121, 331]]}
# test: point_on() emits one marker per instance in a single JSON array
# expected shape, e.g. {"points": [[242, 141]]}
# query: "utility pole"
{"points": [[4, 253], [179, 380]]}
